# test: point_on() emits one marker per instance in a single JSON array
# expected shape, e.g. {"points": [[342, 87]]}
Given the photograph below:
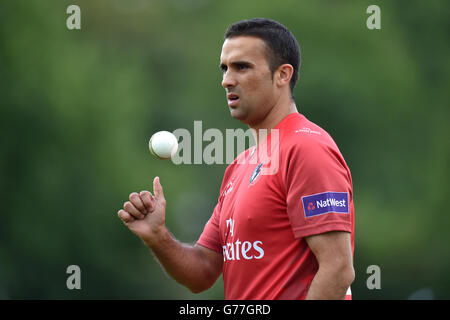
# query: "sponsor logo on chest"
{"points": [[240, 249]]}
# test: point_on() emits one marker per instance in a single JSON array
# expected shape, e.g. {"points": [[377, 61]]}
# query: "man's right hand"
{"points": [[145, 214], [194, 266]]}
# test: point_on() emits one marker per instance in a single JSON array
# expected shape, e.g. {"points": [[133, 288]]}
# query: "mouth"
{"points": [[232, 99]]}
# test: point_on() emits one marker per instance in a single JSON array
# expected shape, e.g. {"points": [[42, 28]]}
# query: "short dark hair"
{"points": [[282, 45]]}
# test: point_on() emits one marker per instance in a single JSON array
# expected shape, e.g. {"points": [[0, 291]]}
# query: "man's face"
{"points": [[247, 79]]}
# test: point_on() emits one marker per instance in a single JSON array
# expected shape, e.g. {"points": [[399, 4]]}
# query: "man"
{"points": [[283, 233]]}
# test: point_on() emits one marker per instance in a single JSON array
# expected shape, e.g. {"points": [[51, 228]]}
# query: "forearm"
{"points": [[184, 262], [330, 284]]}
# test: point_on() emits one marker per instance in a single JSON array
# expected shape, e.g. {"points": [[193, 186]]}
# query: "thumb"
{"points": [[158, 189]]}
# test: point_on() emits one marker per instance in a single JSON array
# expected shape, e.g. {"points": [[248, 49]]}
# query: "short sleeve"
{"points": [[318, 189], [210, 237]]}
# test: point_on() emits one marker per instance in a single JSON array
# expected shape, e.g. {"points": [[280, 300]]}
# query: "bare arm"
{"points": [[334, 254], [194, 266]]}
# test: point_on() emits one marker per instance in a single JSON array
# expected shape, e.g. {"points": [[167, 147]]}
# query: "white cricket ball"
{"points": [[163, 144]]}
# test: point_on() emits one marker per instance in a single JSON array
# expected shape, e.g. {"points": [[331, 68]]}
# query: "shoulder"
{"points": [[304, 138], [310, 157]]}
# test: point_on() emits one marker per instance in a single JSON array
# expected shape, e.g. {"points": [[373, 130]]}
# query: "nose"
{"points": [[228, 80]]}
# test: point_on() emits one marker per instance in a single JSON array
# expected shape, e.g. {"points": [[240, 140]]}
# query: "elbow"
{"points": [[346, 275], [197, 288], [206, 275], [351, 276], [203, 283], [341, 275]]}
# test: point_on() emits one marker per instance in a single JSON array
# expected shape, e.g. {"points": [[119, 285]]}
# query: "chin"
{"points": [[238, 115]]}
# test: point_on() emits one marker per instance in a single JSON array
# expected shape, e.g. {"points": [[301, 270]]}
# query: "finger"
{"points": [[137, 203], [158, 189], [128, 206], [125, 216], [147, 199]]}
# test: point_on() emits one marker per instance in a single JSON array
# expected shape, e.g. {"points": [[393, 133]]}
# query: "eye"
{"points": [[223, 68], [241, 66]]}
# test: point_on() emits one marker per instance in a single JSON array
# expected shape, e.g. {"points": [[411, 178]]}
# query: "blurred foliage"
{"points": [[78, 108]]}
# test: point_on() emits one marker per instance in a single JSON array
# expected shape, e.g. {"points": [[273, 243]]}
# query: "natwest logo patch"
{"points": [[325, 202]]}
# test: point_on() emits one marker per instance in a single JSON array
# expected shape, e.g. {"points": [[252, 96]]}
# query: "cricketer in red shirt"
{"points": [[296, 184]]}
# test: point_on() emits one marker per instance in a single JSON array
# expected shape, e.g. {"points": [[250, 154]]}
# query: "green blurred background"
{"points": [[78, 108]]}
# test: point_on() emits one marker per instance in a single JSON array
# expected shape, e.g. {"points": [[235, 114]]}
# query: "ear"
{"points": [[284, 74]]}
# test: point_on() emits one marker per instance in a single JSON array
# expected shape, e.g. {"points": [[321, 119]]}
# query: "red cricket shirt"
{"points": [[295, 184]]}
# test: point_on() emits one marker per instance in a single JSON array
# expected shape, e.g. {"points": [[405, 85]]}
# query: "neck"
{"points": [[279, 111]]}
